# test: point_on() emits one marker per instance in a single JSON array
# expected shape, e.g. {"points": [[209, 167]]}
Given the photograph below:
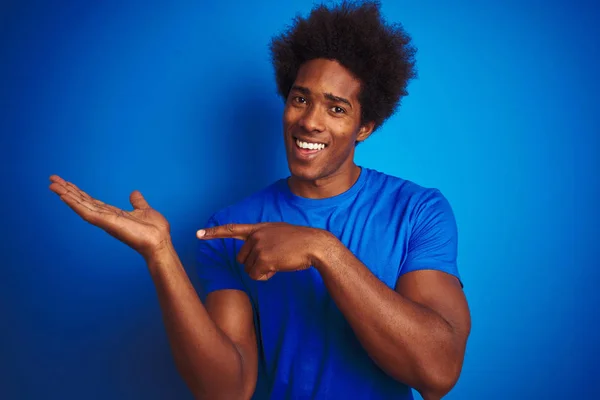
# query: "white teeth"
{"points": [[310, 146]]}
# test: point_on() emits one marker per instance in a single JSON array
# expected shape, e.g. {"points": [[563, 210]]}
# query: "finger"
{"points": [[81, 207], [266, 277], [102, 218], [108, 208], [260, 271], [62, 187], [56, 178], [138, 201], [250, 261], [62, 192], [245, 250], [78, 191], [59, 186], [233, 231], [85, 201]]}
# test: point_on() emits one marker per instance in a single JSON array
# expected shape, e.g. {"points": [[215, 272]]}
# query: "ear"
{"points": [[365, 131]]}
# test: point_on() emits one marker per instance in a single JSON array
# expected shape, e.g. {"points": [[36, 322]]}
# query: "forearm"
{"points": [[408, 341], [208, 361]]}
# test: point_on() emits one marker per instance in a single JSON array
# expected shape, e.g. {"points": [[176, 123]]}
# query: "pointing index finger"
{"points": [[232, 231]]}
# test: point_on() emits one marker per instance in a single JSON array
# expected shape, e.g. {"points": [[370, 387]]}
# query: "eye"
{"points": [[299, 99], [338, 110]]}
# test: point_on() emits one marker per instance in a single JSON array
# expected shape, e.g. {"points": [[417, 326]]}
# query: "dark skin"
{"points": [[323, 106], [214, 345], [424, 322]]}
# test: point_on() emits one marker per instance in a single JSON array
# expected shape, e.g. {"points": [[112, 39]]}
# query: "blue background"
{"points": [[179, 101]]}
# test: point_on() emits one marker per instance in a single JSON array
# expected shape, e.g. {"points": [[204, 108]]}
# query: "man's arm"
{"points": [[214, 347], [417, 333]]}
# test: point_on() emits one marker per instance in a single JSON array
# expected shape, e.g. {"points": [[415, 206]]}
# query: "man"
{"points": [[338, 282]]}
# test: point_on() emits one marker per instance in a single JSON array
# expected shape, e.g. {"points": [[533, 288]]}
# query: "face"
{"points": [[321, 121]]}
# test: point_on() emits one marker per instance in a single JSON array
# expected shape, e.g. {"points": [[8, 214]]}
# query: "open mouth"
{"points": [[309, 147]]}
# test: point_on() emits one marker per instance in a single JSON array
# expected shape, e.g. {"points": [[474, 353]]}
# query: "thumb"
{"points": [[138, 201]]}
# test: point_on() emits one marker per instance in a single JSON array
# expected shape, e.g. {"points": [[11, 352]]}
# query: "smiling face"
{"points": [[321, 124]]}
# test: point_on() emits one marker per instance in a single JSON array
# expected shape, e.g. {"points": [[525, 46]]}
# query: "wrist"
{"points": [[159, 253], [326, 244]]}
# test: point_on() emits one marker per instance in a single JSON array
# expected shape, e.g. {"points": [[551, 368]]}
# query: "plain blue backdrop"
{"points": [[179, 101]]}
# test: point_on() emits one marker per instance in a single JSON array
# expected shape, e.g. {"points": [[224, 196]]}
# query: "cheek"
{"points": [[345, 134], [289, 115]]}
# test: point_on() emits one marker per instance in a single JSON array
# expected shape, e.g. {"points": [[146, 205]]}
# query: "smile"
{"points": [[314, 146]]}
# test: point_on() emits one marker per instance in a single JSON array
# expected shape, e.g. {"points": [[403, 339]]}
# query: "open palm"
{"points": [[143, 229]]}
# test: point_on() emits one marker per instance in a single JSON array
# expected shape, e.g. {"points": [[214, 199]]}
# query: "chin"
{"points": [[304, 172]]}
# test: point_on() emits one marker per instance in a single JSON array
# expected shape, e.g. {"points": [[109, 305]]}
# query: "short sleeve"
{"points": [[433, 240], [216, 264]]}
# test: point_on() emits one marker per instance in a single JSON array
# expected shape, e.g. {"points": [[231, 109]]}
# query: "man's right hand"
{"points": [[143, 229], [214, 347]]}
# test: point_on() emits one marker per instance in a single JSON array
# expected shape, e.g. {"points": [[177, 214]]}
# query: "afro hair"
{"points": [[380, 55]]}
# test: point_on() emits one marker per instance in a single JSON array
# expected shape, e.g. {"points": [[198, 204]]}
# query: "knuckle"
{"points": [[256, 274], [230, 228]]}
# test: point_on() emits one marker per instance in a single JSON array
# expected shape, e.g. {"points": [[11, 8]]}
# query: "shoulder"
{"points": [[401, 191], [409, 206]]}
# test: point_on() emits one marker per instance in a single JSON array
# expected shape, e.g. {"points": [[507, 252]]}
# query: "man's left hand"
{"points": [[272, 247]]}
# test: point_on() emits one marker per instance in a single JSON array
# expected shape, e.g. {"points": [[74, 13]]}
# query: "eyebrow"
{"points": [[328, 96]]}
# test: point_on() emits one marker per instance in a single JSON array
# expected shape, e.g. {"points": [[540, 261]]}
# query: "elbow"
{"points": [[220, 390], [224, 380], [435, 390], [203, 388], [438, 381], [223, 390]]}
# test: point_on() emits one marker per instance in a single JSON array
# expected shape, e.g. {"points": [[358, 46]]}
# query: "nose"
{"points": [[312, 119]]}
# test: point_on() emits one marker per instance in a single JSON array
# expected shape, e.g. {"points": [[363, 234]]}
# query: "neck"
{"points": [[332, 185]]}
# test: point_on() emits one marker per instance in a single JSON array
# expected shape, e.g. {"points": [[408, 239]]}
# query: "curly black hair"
{"points": [[355, 35]]}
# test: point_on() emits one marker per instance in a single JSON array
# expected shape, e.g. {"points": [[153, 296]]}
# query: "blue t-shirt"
{"points": [[306, 348]]}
